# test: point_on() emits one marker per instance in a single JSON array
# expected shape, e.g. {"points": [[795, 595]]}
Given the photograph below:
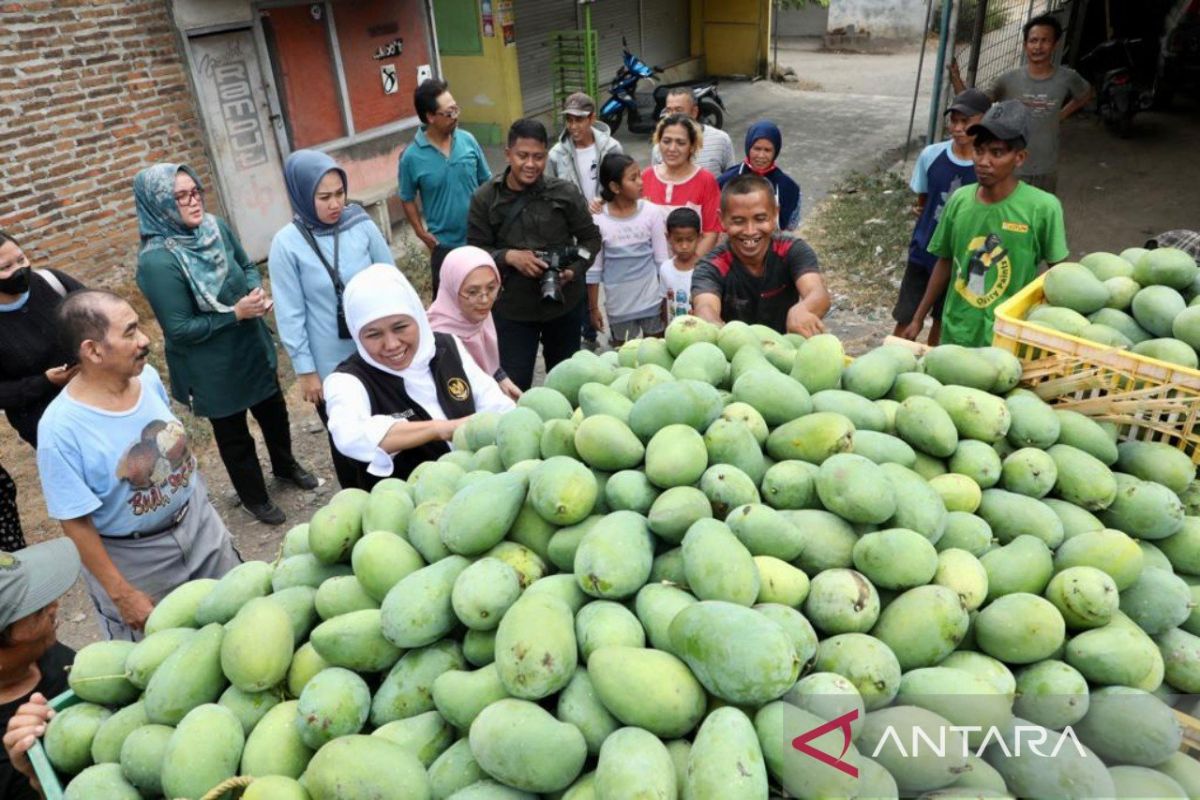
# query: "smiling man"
{"points": [[992, 237], [758, 276], [526, 220], [117, 471]]}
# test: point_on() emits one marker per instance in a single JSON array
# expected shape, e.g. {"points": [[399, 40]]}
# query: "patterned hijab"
{"points": [[302, 172], [199, 251]]}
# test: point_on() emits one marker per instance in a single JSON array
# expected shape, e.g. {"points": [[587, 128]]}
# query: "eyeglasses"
{"points": [[450, 113], [478, 295], [186, 198]]}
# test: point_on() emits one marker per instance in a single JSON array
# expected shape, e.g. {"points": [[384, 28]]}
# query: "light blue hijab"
{"points": [[199, 251], [302, 171]]}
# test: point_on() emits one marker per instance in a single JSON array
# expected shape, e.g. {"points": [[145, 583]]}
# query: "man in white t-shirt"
{"points": [[582, 145], [716, 154], [576, 157]]}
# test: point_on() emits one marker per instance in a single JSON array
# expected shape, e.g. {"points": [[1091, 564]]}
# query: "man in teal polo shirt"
{"points": [[444, 166]]}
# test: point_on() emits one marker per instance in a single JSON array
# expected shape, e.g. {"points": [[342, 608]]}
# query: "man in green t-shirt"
{"points": [[993, 236]]}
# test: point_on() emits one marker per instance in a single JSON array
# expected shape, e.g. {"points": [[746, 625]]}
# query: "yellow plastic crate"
{"points": [[1148, 399]]}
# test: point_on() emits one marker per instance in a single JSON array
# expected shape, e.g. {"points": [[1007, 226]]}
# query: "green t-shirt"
{"points": [[995, 250]]}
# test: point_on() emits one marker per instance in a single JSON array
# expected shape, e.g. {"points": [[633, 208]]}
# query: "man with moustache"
{"points": [[516, 216], [117, 471], [758, 275]]}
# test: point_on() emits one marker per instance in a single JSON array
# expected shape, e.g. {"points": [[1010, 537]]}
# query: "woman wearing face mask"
{"points": [[398, 400], [33, 368], [312, 259], [463, 308], [678, 183], [763, 143], [208, 298]]}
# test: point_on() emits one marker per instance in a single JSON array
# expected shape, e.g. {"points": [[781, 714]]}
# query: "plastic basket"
{"points": [[52, 787], [1147, 399]]}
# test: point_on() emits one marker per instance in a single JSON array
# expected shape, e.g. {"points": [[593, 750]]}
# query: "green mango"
{"points": [[603, 623], [417, 611], [726, 760], [812, 438], [964, 574], [954, 364], [842, 601], [236, 588], [635, 763], [776, 396], [101, 780], [98, 674], [257, 648], [250, 707], [1011, 515], [977, 461], [483, 592], [579, 705], [733, 443], [656, 605], [111, 735], [1023, 565], [1158, 601], [365, 766], [189, 677], [761, 668], [830, 540], [1085, 596], [717, 565], [302, 570], [975, 413], [357, 641], [865, 661], [521, 744], [274, 746], [853, 487], [925, 425], [1129, 726], [910, 384], [1108, 550], [674, 511], [780, 582], [204, 750], [178, 608], [141, 757], [961, 697], [895, 558], [965, 532], [336, 702], [686, 330], [455, 769], [614, 558], [1029, 773], [425, 735], [923, 625], [546, 402], [819, 363], [1019, 628], [888, 735], [380, 560], [536, 649], [803, 777], [1052, 694], [883, 449], [407, 688], [727, 487], [862, 412]]}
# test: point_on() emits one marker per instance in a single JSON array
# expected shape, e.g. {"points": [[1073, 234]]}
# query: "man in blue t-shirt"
{"points": [[941, 169], [444, 165], [117, 471]]}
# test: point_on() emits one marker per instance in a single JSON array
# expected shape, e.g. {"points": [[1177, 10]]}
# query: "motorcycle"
{"points": [[1119, 86], [642, 112]]}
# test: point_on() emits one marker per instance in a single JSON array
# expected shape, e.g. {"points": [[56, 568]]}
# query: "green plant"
{"points": [[996, 17]]}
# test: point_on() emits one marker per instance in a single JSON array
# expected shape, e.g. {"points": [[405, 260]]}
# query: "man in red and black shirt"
{"points": [[758, 276]]}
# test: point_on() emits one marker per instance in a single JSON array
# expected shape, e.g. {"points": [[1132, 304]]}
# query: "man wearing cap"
{"points": [[993, 237], [33, 663], [941, 169], [716, 152], [1050, 91], [576, 157], [444, 166], [117, 471]]}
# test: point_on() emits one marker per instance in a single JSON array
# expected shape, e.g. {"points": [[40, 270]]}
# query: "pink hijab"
{"points": [[445, 315]]}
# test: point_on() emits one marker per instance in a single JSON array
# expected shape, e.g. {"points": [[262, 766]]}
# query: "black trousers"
{"points": [[350, 473], [238, 452], [435, 265], [559, 338]]}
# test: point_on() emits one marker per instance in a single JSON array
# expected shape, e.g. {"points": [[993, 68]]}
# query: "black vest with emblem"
{"points": [[387, 396]]}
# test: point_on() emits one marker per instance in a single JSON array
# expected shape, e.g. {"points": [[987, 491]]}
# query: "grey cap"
{"points": [[970, 102], [1006, 120], [33, 578], [579, 104]]}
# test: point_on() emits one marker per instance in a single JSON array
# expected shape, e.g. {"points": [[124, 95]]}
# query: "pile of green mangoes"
{"points": [[1147, 301], [666, 564]]}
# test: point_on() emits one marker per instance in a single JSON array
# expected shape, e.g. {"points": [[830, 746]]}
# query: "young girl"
{"points": [[635, 243]]}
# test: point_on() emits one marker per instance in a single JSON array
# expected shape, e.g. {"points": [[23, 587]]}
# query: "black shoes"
{"points": [[267, 513], [301, 477]]}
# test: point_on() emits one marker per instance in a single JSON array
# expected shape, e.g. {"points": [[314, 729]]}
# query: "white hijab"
{"points": [[381, 291]]}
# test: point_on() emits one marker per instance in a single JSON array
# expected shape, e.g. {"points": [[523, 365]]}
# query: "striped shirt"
{"points": [[716, 152]]}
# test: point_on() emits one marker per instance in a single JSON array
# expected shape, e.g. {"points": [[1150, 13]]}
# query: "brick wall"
{"points": [[91, 91]]}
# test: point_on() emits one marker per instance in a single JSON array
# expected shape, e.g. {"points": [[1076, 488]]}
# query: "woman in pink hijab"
{"points": [[469, 285]]}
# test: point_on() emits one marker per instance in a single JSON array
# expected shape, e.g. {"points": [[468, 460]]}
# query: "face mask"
{"points": [[17, 283]]}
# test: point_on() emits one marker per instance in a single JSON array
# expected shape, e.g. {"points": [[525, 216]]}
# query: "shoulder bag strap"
{"points": [[510, 216], [338, 286], [52, 279]]}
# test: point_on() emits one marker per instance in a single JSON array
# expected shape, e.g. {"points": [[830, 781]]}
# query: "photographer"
{"points": [[542, 236]]}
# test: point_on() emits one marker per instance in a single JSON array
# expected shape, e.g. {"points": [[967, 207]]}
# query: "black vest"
{"points": [[387, 396]]}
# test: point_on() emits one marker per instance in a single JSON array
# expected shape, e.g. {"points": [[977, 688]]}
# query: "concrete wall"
{"points": [[92, 92], [884, 19], [487, 88], [812, 20]]}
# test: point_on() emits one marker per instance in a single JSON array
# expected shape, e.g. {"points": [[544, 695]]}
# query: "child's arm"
{"points": [[933, 290], [593, 296]]}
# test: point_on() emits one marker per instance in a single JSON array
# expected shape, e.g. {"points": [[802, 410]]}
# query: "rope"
{"points": [[238, 782]]}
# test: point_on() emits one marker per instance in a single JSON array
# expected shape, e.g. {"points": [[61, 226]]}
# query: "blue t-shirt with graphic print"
{"points": [[938, 174]]}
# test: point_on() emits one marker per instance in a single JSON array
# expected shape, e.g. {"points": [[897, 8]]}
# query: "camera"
{"points": [[557, 259]]}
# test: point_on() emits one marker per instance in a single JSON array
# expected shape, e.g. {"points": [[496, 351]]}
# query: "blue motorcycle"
{"points": [[643, 111]]}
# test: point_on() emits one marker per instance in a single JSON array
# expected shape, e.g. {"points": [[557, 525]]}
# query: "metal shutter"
{"points": [[611, 20], [535, 19], [666, 31]]}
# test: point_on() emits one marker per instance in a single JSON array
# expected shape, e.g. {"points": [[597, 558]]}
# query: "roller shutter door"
{"points": [[666, 32], [611, 20], [534, 20]]}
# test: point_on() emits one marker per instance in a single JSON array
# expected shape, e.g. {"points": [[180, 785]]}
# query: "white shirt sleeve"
{"points": [[357, 432], [595, 273], [488, 395]]}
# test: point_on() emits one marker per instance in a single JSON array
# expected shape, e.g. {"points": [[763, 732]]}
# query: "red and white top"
{"points": [[700, 193]]}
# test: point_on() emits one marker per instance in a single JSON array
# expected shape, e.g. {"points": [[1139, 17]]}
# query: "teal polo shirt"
{"points": [[445, 184]]}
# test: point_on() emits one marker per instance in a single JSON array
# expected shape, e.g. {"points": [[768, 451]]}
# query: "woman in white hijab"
{"points": [[398, 400]]}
